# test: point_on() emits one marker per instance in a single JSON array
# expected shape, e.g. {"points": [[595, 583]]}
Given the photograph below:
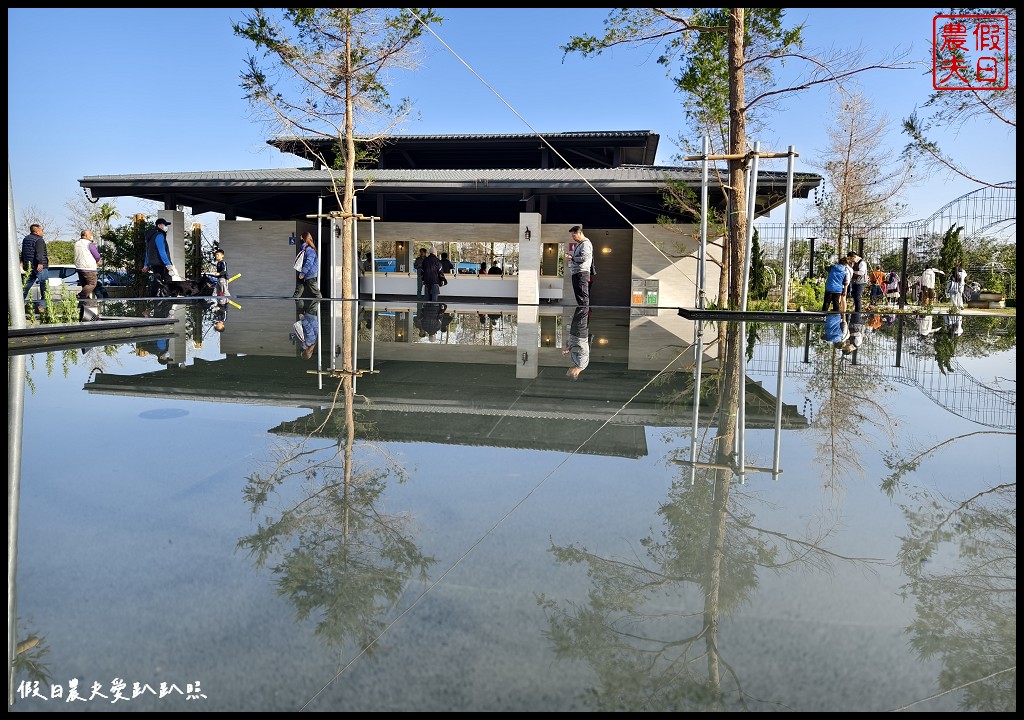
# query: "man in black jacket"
{"points": [[432, 273], [158, 259], [36, 260]]}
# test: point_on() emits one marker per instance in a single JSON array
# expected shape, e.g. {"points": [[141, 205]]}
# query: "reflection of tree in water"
{"points": [[945, 351], [960, 558], [650, 630], [99, 358], [850, 411], [336, 553], [29, 655]]}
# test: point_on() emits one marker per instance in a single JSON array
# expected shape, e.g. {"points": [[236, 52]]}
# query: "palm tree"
{"points": [[103, 216]]}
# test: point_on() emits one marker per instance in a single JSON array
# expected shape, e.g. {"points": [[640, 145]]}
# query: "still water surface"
{"points": [[448, 523]]}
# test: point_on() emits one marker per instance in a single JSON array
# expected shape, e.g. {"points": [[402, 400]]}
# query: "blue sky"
{"points": [[107, 91]]}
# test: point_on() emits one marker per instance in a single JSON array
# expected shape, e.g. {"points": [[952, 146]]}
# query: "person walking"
{"points": [[928, 286], [306, 279], [35, 259], [859, 281], [417, 265], [835, 286], [432, 274], [158, 259], [578, 261], [955, 287], [87, 258]]}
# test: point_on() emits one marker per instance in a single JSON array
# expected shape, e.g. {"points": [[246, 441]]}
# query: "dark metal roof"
{"points": [[287, 193], [513, 150], [461, 137], [632, 176], [455, 178]]}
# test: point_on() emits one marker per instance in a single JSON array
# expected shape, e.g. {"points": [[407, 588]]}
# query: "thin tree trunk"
{"points": [[737, 191]]}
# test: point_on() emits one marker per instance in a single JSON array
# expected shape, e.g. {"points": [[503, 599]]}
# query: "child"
{"points": [[221, 274]]}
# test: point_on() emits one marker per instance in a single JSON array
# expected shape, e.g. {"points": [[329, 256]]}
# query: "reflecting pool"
{"points": [[397, 507]]}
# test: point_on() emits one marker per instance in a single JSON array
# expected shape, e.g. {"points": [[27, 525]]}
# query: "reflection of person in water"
{"points": [[220, 314], [954, 325], [161, 346], [836, 329], [924, 326], [431, 319], [856, 338], [577, 345], [306, 329]]}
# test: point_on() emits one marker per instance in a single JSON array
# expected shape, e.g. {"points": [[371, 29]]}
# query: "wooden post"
{"points": [[197, 252], [139, 222]]}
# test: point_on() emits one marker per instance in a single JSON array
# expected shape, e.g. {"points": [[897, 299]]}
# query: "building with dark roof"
{"points": [[449, 189]]}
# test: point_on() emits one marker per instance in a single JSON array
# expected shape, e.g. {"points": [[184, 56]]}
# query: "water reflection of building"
{"points": [[469, 393]]}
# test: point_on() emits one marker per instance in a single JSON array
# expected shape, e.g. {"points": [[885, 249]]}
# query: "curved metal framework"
{"points": [[988, 211]]}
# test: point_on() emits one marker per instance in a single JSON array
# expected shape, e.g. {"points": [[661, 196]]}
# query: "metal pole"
{"points": [[810, 269], [789, 225], [373, 261], [355, 246], [778, 404], [698, 349], [15, 282], [15, 428], [373, 327], [319, 238], [749, 240], [741, 418], [904, 280], [703, 257]]}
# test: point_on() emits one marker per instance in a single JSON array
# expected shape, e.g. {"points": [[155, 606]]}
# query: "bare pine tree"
{"points": [[723, 61], [863, 176]]}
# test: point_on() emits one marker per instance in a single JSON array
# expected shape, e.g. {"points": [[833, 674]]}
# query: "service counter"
{"points": [[503, 287]]}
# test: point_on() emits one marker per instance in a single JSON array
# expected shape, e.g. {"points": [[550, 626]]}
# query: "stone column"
{"points": [[529, 258]]}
